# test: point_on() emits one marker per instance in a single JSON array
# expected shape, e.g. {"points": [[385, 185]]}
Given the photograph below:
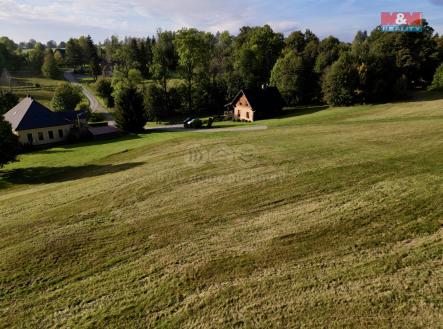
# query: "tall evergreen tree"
{"points": [[129, 110], [92, 57]]}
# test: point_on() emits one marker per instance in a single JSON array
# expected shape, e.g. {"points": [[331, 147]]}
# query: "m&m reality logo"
{"points": [[402, 22]]}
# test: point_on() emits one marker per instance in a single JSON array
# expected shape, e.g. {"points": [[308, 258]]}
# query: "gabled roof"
{"points": [[30, 114], [261, 100]]}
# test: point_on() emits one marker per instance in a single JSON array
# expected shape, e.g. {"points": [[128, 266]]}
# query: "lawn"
{"points": [[331, 218]]}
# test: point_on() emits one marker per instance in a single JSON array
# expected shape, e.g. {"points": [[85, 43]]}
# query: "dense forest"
{"points": [[191, 71]]}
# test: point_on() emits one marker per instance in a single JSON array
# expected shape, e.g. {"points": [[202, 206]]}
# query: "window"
{"points": [[40, 136], [247, 115], [60, 133], [30, 138], [51, 134], [238, 113]]}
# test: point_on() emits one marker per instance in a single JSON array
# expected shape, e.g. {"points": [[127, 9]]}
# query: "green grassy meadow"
{"points": [[331, 218], [29, 83]]}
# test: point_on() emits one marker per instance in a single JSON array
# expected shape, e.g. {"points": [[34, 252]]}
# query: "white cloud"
{"points": [[284, 26], [143, 16], [91, 13]]}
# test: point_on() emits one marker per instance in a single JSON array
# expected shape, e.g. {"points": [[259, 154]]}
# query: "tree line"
{"points": [[195, 72], [191, 71]]}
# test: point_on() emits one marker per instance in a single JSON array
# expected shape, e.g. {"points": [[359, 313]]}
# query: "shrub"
{"points": [[175, 100], [154, 103], [104, 89], [437, 83], [96, 117], [84, 105], [135, 77], [7, 101], [9, 145], [400, 88]]}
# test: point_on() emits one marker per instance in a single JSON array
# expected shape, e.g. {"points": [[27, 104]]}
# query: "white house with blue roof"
{"points": [[35, 124]]}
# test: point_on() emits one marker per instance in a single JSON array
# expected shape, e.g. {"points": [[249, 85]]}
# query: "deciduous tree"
{"points": [[341, 82], [193, 55], [66, 97], [49, 67]]}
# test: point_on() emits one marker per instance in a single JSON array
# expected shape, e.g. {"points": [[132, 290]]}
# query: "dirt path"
{"points": [[94, 103]]}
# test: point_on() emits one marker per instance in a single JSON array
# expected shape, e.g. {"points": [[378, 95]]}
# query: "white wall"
{"points": [[240, 113], [23, 135]]}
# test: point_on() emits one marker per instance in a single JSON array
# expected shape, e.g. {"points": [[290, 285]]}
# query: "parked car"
{"points": [[193, 123], [185, 121]]}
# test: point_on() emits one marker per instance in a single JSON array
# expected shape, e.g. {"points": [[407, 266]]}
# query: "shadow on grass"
{"points": [[46, 175], [65, 148], [52, 151], [425, 96], [95, 142], [301, 110]]}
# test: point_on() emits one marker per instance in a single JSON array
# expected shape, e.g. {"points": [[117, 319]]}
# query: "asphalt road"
{"points": [[94, 103]]}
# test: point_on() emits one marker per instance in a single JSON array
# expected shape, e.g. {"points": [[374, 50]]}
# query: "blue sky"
{"points": [[60, 19]]}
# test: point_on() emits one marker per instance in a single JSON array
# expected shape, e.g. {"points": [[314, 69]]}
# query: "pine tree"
{"points": [[129, 113]]}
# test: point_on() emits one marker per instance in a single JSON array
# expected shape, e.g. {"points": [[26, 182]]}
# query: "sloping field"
{"points": [[26, 83], [331, 218]]}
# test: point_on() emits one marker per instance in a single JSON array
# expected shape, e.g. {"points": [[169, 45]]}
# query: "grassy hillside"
{"points": [[34, 84], [331, 218]]}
